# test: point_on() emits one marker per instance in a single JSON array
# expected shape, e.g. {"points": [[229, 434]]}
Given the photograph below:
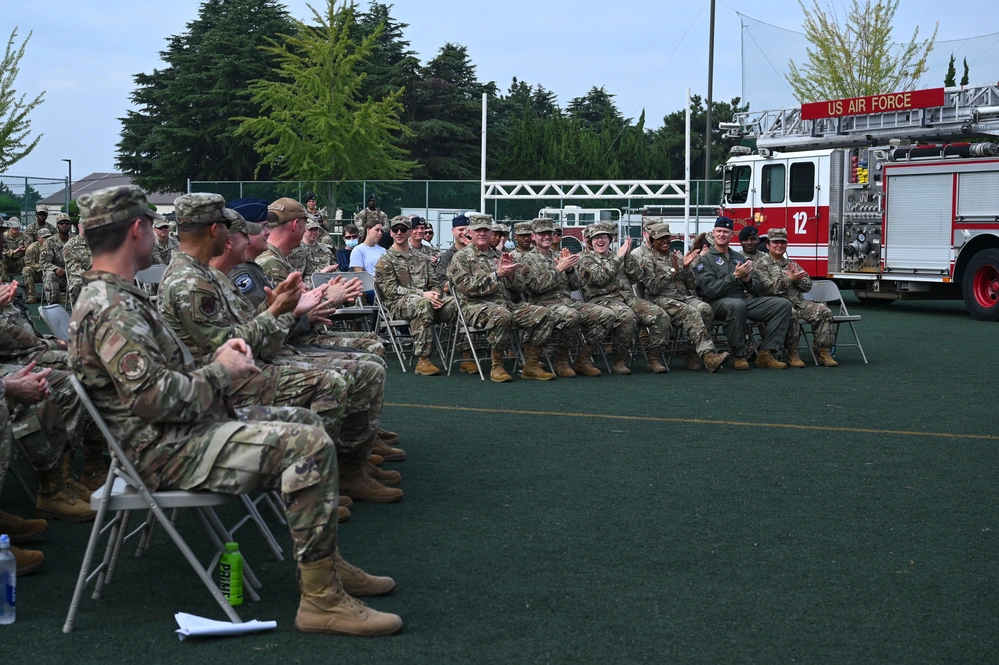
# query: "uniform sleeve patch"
{"points": [[700, 266], [133, 365], [111, 347], [207, 305], [245, 283]]}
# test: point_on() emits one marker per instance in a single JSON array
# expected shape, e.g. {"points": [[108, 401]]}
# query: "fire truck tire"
{"points": [[981, 285]]}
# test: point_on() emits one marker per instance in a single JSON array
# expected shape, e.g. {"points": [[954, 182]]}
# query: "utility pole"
{"points": [[711, 76]]}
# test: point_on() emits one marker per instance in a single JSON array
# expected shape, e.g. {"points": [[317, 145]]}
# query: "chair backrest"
{"points": [[151, 275], [367, 280], [131, 475], [826, 291], [57, 319]]}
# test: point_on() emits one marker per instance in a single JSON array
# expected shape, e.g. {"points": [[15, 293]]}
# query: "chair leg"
{"points": [[219, 535], [20, 479], [147, 535], [857, 339], [122, 530], [257, 519]]}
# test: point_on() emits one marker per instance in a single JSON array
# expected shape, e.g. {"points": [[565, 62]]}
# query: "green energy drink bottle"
{"points": [[231, 574]]}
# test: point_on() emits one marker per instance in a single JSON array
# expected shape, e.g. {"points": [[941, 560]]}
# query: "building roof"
{"points": [[96, 181]]}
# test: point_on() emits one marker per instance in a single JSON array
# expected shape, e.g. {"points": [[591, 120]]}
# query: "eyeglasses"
{"points": [[347, 237], [400, 229], [545, 234]]}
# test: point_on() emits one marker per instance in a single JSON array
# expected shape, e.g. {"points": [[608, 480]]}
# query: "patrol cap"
{"points": [[310, 225], [647, 222], [478, 221], [41, 209], [62, 217], [238, 223], [748, 232], [523, 228], [460, 220], [724, 223], [501, 228], [114, 204], [401, 220], [542, 224], [658, 230], [286, 210], [778, 235], [14, 223], [600, 228], [199, 209], [44, 232], [161, 223]]}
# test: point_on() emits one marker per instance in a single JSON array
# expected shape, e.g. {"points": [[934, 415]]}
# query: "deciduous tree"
{"points": [[15, 125]]}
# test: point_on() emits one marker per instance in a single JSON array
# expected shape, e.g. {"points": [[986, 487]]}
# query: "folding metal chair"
{"points": [[57, 319], [125, 492], [397, 332], [149, 280], [825, 291], [359, 310]]}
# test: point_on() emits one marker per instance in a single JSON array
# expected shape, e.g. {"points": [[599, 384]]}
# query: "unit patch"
{"points": [[245, 283], [207, 305], [700, 266], [720, 261], [133, 365]]}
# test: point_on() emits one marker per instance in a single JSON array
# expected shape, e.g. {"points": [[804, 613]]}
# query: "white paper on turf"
{"points": [[195, 626]]}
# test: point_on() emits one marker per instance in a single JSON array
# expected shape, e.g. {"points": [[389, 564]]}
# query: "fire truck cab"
{"points": [[894, 204]]}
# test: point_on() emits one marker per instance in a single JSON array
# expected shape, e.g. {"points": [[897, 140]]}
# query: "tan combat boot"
{"points": [[498, 374], [388, 453], [740, 363], [26, 560], [385, 477], [95, 471], [32, 299], [469, 366], [345, 501], [376, 459], [562, 368], [826, 359], [78, 488], [765, 360], [793, 359], [532, 366], [56, 500], [20, 529], [356, 483], [713, 361], [360, 584], [387, 437], [426, 368], [342, 514], [655, 364], [584, 363], [326, 608], [693, 362], [619, 365]]}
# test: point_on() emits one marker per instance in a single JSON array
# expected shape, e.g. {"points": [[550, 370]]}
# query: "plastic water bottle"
{"points": [[8, 582], [231, 574]]}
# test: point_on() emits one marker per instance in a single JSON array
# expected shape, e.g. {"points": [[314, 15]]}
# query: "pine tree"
{"points": [[964, 77], [182, 128], [950, 78]]}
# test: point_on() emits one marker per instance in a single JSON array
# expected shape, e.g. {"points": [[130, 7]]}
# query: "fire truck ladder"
{"points": [[969, 111]]}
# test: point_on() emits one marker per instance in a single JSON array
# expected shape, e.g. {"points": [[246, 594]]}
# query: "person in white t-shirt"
{"points": [[364, 257]]}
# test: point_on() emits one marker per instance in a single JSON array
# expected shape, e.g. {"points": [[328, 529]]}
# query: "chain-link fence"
{"points": [[20, 194]]}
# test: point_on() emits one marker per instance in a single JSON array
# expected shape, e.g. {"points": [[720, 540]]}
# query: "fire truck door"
{"points": [[917, 232], [805, 215], [771, 194]]}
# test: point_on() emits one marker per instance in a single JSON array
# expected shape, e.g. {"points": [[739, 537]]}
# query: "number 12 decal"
{"points": [[799, 222]]}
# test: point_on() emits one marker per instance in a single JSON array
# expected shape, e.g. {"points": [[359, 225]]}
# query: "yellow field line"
{"points": [[698, 421]]}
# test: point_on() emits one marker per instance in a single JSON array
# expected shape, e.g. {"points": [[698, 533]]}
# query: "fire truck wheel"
{"points": [[981, 285]]}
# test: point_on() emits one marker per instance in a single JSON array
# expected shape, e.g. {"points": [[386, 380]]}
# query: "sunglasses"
{"points": [[400, 229]]}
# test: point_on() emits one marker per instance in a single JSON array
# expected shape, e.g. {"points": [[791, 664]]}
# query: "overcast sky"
{"points": [[84, 52]]}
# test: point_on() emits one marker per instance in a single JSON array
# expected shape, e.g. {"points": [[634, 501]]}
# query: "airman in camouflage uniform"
{"points": [[668, 281], [485, 278], [177, 425], [41, 221], [320, 216], [606, 279], [779, 276], [165, 245], [318, 256], [416, 240], [522, 237], [52, 262], [76, 256], [547, 278], [15, 244], [31, 273], [410, 288], [371, 213]]}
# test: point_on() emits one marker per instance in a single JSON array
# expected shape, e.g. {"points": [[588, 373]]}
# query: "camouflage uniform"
{"points": [[317, 258], [14, 261], [402, 278], [163, 253], [488, 303], [277, 268], [545, 285], [375, 216], [606, 280], [51, 259], [669, 288], [31, 272], [76, 255], [520, 229], [299, 259], [6, 441], [32, 229], [774, 282], [171, 415]]}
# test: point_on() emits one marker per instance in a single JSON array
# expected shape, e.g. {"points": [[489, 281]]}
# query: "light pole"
{"points": [[69, 184], [711, 76]]}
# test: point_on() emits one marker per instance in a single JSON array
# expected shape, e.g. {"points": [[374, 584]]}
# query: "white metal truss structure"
{"points": [[967, 112], [512, 190]]}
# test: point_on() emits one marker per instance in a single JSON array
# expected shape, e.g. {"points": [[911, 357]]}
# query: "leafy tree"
{"points": [[950, 78], [857, 57], [182, 128], [313, 124], [15, 127]]}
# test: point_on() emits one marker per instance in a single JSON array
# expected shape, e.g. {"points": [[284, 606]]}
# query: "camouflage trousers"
{"points": [[282, 448], [362, 341], [422, 316], [52, 287], [6, 441], [536, 322], [30, 276], [629, 315], [365, 397], [694, 316], [592, 320], [819, 317], [323, 391], [74, 284]]}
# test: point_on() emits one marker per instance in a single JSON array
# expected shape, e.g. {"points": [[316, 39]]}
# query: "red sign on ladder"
{"points": [[895, 101]]}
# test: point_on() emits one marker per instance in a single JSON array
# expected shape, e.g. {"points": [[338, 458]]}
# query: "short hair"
{"points": [[110, 237], [351, 228]]}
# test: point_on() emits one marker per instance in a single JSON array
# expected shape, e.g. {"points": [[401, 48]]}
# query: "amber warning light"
{"points": [[894, 101]]}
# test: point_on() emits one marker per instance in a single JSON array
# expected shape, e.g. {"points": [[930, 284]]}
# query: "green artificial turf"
{"points": [[559, 539]]}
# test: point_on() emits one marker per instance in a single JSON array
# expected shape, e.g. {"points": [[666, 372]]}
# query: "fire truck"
{"points": [[895, 196]]}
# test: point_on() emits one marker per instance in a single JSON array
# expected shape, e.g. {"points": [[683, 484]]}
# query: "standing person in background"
{"points": [[165, 243], [371, 213]]}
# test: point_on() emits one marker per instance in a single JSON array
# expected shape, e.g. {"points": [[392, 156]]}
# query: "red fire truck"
{"points": [[895, 196]]}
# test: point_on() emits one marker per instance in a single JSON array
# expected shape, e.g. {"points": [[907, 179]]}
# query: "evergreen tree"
{"points": [[670, 140], [964, 77], [182, 128], [950, 78], [391, 64]]}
